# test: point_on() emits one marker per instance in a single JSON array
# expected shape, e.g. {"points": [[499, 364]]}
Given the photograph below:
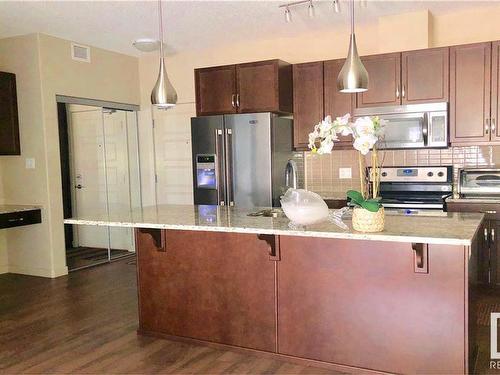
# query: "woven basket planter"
{"points": [[367, 221]]}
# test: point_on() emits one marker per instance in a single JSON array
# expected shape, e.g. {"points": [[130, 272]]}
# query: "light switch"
{"points": [[30, 163], [345, 173]]}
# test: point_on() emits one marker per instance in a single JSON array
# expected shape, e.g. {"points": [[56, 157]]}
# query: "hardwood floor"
{"points": [[86, 323]]}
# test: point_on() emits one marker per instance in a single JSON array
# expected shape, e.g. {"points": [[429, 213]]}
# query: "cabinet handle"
{"points": [[238, 100], [487, 126], [492, 235], [397, 92], [486, 234], [232, 100], [16, 219], [420, 257], [403, 91], [493, 125], [274, 245]]}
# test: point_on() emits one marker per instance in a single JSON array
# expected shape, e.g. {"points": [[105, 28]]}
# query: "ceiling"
{"points": [[114, 25]]}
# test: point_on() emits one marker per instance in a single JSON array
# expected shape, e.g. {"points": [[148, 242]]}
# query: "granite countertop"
{"points": [[441, 228], [11, 208]]}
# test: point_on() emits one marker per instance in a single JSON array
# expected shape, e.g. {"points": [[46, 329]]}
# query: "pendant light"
{"points": [[164, 95], [353, 77]]}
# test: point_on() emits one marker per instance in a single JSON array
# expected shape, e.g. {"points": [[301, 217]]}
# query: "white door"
{"points": [[89, 198], [118, 175]]}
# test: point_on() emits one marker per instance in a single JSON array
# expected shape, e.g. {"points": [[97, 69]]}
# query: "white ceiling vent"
{"points": [[80, 52]]}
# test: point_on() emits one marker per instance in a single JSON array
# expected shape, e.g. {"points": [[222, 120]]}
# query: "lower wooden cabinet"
{"points": [[212, 286], [385, 306], [360, 303]]}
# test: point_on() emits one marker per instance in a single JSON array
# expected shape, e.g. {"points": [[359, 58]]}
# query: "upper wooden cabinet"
{"points": [[406, 78], [336, 104], [9, 123], [264, 86], [470, 101], [384, 72], [425, 76], [495, 88], [308, 108]]}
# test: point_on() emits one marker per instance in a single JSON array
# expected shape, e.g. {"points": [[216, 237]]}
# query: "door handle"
{"points": [[420, 257], [425, 129], [233, 103], [397, 92], [218, 173], [238, 100], [228, 139]]}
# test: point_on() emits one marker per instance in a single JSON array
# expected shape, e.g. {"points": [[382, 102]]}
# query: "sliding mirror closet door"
{"points": [[105, 182], [89, 198], [122, 175]]}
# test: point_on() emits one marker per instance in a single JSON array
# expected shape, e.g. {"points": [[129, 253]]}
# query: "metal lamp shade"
{"points": [[353, 77], [163, 94]]}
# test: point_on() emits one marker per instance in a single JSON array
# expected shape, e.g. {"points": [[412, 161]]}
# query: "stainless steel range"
{"points": [[411, 188]]}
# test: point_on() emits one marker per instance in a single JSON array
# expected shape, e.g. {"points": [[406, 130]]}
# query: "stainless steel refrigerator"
{"points": [[240, 160]]}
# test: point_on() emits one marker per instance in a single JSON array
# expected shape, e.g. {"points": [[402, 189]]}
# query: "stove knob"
{"points": [[384, 174], [430, 174], [440, 174]]}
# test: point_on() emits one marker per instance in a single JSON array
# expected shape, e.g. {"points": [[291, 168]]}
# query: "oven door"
{"points": [[405, 130]]}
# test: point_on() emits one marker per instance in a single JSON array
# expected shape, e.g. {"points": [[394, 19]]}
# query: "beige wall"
{"points": [[45, 69], [408, 31]]}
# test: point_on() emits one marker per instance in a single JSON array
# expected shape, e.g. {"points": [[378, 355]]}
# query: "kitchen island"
{"points": [[396, 301]]}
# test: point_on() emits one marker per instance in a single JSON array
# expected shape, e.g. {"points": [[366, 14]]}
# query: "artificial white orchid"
{"points": [[366, 132]]}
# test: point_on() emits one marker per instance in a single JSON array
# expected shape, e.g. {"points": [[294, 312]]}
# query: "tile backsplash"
{"points": [[322, 171]]}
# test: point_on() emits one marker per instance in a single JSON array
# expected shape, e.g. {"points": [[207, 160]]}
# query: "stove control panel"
{"points": [[414, 174]]}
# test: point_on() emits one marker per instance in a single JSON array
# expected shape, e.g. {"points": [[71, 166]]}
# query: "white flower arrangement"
{"points": [[366, 132]]}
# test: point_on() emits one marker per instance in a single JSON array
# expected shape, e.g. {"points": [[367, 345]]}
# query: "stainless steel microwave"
{"points": [[411, 126]]}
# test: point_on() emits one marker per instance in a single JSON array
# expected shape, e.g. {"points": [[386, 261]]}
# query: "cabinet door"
{"points": [[215, 90], [340, 299], [9, 123], [337, 104], [384, 81], [212, 286], [307, 101], [495, 91], [259, 86], [470, 77], [494, 252], [425, 76]]}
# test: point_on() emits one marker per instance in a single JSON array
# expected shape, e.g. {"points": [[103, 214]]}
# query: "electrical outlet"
{"points": [[345, 173], [30, 163]]}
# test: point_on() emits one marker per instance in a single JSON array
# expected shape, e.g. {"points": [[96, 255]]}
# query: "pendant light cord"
{"points": [[160, 28], [352, 16]]}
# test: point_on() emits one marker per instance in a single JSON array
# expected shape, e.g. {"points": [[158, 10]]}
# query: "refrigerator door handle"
{"points": [[219, 173], [228, 145]]}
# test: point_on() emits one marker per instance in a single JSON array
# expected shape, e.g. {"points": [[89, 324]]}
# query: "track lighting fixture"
{"points": [[288, 15], [310, 9], [336, 6]]}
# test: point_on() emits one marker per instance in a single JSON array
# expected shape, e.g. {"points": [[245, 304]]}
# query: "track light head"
{"points": [[310, 9], [288, 15], [336, 6]]}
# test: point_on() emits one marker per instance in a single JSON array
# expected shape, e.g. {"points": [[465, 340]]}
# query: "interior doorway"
{"points": [[100, 179]]}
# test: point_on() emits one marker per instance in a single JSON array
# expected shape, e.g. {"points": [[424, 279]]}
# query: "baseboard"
{"points": [[41, 272], [260, 353]]}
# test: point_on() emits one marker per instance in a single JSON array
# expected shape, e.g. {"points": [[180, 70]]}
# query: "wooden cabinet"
{"points": [[495, 91], [384, 72], [9, 122], [212, 286], [215, 90], [425, 76], [336, 104], [308, 107], [330, 305], [470, 102], [316, 96], [264, 86]]}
